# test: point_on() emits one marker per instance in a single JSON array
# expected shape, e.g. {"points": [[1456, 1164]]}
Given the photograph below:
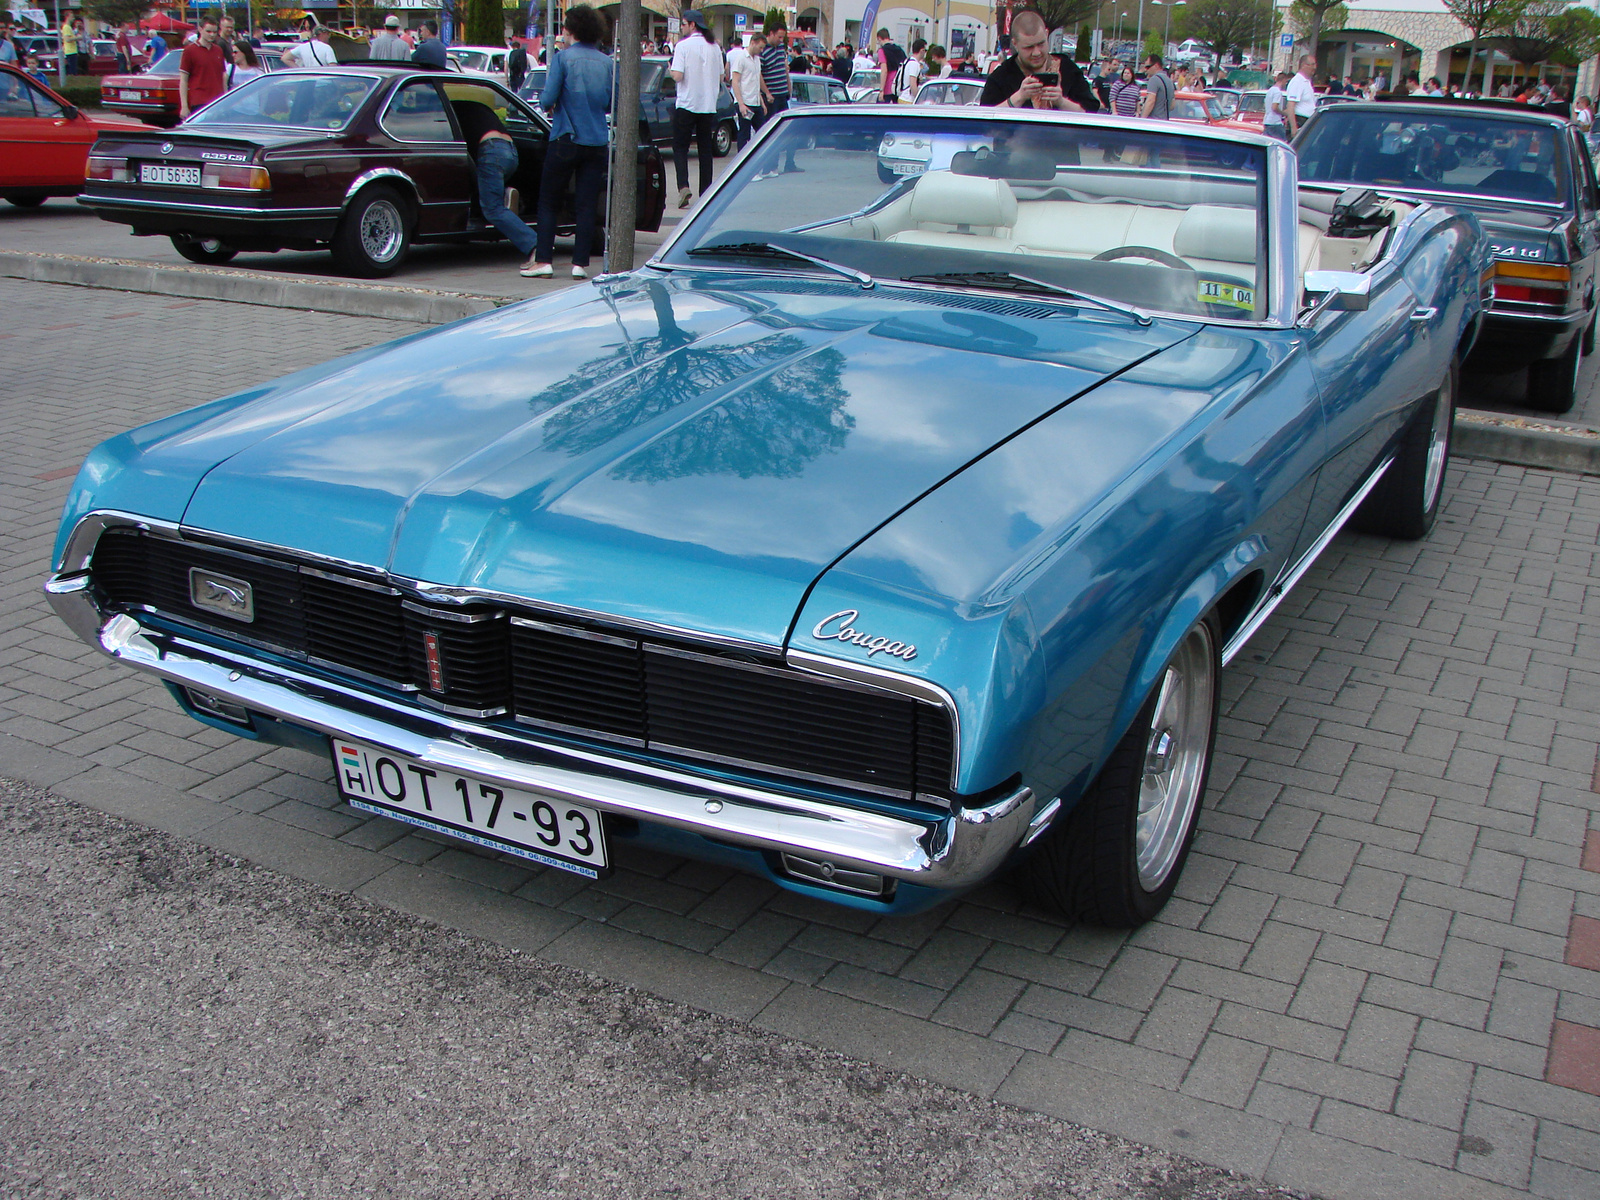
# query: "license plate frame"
{"points": [[129, 94], [169, 175], [372, 779]]}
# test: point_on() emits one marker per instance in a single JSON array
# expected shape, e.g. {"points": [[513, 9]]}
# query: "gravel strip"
{"points": [[176, 1022]]}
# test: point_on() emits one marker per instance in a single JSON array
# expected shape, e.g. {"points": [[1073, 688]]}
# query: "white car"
{"points": [[865, 85], [489, 61]]}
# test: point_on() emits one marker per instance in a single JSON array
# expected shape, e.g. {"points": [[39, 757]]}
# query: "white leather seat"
{"points": [[960, 211]]}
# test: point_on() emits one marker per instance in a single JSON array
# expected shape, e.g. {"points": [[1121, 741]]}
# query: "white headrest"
{"points": [[1215, 232], [944, 198]]}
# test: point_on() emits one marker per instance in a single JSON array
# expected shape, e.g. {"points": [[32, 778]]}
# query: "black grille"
{"points": [[485, 661]]}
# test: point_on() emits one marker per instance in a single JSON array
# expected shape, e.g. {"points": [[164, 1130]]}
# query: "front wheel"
{"points": [[1553, 382], [374, 235], [1115, 857], [727, 135], [210, 251], [1406, 500]]}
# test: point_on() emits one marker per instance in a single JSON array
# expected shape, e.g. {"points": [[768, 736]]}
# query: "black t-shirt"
{"points": [[1007, 78], [476, 120]]}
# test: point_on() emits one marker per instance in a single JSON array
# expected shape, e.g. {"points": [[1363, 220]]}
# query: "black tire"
{"points": [[727, 137], [1588, 338], [211, 251], [1406, 500], [1090, 864], [25, 201], [374, 235], [1553, 382]]}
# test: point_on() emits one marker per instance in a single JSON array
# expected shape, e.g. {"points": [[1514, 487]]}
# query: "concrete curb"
{"points": [[420, 305], [1553, 445]]}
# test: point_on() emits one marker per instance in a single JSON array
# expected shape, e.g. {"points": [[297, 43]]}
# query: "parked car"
{"points": [[950, 91], [1529, 178], [44, 140], [865, 86], [150, 94], [807, 90], [1200, 108], [365, 160], [480, 60], [1227, 98], [103, 57], [1251, 113], [870, 539], [658, 94], [46, 47]]}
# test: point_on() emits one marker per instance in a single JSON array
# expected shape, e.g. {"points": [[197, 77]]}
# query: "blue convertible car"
{"points": [[874, 538]]}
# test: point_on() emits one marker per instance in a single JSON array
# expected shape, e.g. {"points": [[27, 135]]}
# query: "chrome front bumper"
{"points": [[952, 851]]}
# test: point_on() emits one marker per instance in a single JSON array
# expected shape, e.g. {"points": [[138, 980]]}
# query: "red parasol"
{"points": [[166, 24]]}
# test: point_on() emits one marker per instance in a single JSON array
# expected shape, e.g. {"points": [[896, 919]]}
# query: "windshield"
{"points": [[1185, 109], [471, 60], [1254, 103], [1157, 220], [1438, 152], [866, 79], [294, 99]]}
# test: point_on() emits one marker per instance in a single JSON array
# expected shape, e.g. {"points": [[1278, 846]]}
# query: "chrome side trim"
{"points": [[892, 681], [90, 199], [1280, 589], [572, 631], [366, 177], [1041, 821], [951, 851], [756, 668], [619, 738], [790, 772], [457, 711], [352, 581], [455, 618], [86, 533]]}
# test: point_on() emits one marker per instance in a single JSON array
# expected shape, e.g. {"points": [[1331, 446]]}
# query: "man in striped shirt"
{"points": [[775, 86]]}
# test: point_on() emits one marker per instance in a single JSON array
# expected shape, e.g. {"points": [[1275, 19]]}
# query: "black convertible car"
{"points": [[1527, 175], [365, 159]]}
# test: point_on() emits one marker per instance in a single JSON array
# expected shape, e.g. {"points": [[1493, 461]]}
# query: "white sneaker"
{"points": [[537, 271], [579, 273]]}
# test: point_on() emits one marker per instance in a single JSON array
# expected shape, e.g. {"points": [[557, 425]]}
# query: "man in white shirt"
{"points": [[744, 80], [314, 52], [1302, 97], [1276, 107], [908, 79], [861, 62], [698, 67]]}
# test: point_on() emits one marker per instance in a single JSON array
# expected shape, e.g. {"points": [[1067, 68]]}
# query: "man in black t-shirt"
{"points": [[1015, 83]]}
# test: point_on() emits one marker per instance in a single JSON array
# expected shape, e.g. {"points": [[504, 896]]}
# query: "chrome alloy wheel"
{"points": [[1438, 442], [382, 230], [1175, 758]]}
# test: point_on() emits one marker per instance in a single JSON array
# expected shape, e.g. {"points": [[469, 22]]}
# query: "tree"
{"points": [[1222, 26], [1577, 34], [774, 21], [115, 12], [1480, 17], [1085, 48], [1154, 47], [1309, 18], [483, 22], [1059, 14]]}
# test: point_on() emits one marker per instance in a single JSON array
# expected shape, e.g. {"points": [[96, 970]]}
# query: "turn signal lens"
{"points": [[108, 170], [1545, 271], [249, 179]]}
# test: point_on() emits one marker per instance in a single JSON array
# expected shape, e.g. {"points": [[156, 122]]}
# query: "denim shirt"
{"points": [[578, 93]]}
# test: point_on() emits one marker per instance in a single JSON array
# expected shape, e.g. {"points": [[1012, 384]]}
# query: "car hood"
{"points": [[691, 451]]}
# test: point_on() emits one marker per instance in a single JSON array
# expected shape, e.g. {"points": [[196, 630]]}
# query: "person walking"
{"points": [[1125, 94], [245, 65], [1275, 109], [890, 56], [744, 78], [156, 48], [430, 50], [578, 91], [201, 71], [389, 46], [124, 43], [1159, 92], [516, 66], [697, 66], [909, 77], [1301, 95], [775, 91]]}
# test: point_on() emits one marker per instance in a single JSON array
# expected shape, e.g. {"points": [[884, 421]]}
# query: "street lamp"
{"points": [[1169, 5], [1120, 15], [1138, 38]]}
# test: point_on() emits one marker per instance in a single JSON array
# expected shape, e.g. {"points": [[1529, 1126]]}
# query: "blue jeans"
{"points": [[497, 162], [564, 158]]}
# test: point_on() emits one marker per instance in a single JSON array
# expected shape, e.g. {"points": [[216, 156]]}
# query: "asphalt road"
{"points": [[179, 1023]]}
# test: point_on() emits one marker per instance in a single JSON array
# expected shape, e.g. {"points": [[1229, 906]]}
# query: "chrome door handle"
{"points": [[1419, 315]]}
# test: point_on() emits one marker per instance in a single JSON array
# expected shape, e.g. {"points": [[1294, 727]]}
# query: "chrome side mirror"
{"points": [[1335, 291]]}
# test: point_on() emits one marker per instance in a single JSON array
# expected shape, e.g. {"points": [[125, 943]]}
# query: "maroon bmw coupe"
{"points": [[366, 160]]}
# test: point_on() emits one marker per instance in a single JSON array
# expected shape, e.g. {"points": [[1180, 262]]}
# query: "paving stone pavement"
{"points": [[1388, 917]]}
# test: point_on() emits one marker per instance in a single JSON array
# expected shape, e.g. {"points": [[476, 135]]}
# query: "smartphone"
{"points": [[1048, 78]]}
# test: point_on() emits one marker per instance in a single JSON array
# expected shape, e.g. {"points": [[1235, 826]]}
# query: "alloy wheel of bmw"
{"points": [[1176, 755], [1439, 442], [382, 230]]}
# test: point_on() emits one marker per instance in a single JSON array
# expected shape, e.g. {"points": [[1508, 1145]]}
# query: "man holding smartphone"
{"points": [[1026, 80]]}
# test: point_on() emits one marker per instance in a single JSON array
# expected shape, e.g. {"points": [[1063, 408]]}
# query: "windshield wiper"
{"points": [[772, 250], [1009, 281]]}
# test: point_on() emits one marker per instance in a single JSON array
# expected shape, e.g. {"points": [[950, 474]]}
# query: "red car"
{"points": [[152, 94], [44, 141]]}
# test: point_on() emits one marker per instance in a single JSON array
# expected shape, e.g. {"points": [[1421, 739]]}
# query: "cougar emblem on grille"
{"points": [[838, 628], [221, 594]]}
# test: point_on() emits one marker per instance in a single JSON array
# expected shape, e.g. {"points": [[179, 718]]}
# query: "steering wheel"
{"points": [[1150, 252]]}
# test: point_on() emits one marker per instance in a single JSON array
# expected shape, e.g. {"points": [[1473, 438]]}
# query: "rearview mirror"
{"points": [[70, 111]]}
